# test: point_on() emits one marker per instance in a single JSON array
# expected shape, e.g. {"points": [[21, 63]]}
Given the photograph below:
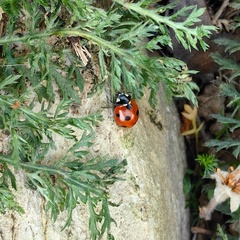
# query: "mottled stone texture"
{"points": [[151, 201]]}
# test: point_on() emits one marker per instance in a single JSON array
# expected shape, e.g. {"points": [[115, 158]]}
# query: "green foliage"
{"points": [[235, 23], [229, 90], [225, 209], [77, 181], [7, 201], [10, 5], [230, 123], [208, 162], [121, 38], [8, 180], [227, 63], [190, 189], [229, 119], [187, 36], [38, 64], [64, 182], [231, 45], [225, 144], [220, 233], [187, 184]]}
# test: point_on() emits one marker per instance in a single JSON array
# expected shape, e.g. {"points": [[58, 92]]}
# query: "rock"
{"points": [[150, 202]]}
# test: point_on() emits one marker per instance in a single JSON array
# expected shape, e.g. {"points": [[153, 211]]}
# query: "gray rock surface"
{"points": [[151, 200]]}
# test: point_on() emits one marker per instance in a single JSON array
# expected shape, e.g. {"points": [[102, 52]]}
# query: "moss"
{"points": [[128, 140]]}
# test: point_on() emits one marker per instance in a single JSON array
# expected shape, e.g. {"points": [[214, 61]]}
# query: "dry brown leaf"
{"points": [[16, 105]]}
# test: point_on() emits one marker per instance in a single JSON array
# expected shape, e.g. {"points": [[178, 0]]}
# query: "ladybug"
{"points": [[126, 111]]}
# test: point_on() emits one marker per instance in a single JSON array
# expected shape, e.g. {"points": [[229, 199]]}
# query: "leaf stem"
{"points": [[156, 17], [67, 175], [66, 33], [34, 166]]}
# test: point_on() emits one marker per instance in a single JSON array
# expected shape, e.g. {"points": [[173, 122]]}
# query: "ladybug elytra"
{"points": [[126, 111]]}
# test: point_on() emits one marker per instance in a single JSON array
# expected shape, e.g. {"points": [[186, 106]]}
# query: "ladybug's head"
{"points": [[123, 99]]}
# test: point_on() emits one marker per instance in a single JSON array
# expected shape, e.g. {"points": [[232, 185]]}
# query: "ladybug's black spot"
{"points": [[127, 118], [118, 115], [137, 113]]}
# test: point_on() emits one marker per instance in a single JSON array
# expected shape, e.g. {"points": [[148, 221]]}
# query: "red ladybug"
{"points": [[126, 111]]}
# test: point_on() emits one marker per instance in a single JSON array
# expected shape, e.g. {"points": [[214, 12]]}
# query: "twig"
{"points": [[220, 11], [201, 231]]}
